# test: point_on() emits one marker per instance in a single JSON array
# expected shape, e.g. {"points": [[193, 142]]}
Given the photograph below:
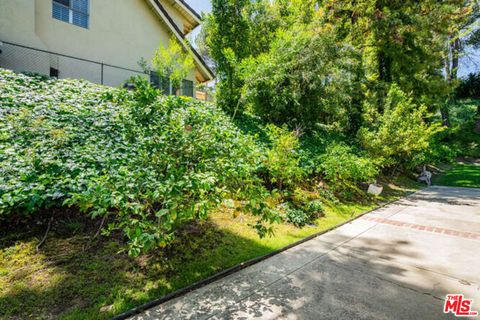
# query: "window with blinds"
{"points": [[72, 11]]}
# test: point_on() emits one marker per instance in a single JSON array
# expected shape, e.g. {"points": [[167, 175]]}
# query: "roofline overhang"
{"points": [[194, 14], [209, 75]]}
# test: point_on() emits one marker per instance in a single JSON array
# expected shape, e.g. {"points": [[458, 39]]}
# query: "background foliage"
{"points": [[333, 67], [311, 95], [305, 78]]}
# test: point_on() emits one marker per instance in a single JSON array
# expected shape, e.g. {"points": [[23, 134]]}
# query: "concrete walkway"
{"points": [[394, 263]]}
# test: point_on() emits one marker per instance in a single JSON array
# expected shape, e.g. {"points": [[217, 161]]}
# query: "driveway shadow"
{"points": [[339, 283]]}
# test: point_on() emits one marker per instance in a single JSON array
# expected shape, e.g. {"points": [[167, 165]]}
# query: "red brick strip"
{"points": [[450, 232]]}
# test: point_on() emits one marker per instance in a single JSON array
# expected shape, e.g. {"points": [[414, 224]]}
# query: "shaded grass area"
{"points": [[67, 280], [460, 175]]}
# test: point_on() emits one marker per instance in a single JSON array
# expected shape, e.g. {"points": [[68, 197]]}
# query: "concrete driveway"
{"points": [[398, 262]]}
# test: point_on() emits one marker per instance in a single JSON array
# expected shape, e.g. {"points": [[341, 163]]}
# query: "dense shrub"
{"points": [[314, 145], [303, 207], [441, 152], [460, 138], [145, 161], [283, 162], [296, 216], [305, 78], [464, 133], [400, 135], [315, 208], [344, 169], [302, 214]]}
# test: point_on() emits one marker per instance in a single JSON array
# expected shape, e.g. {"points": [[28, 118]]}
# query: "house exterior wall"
{"points": [[120, 33], [17, 22]]}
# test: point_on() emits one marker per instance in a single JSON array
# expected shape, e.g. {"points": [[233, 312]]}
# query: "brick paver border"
{"points": [[450, 232]]}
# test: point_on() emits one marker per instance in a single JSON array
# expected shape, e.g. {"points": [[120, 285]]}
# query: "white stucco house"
{"points": [[97, 40]]}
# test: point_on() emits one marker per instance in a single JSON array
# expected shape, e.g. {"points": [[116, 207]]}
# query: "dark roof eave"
{"points": [[212, 74], [170, 20], [192, 11]]}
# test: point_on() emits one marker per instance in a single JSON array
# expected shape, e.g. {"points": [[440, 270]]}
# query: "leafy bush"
{"points": [[343, 168], [314, 145], [461, 138], [463, 135], [300, 216], [173, 63], [464, 111], [441, 152], [315, 208], [305, 78], [294, 215], [400, 135], [145, 161], [282, 160]]}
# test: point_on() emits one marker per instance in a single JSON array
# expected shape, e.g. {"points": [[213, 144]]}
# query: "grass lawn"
{"points": [[65, 280], [460, 175]]}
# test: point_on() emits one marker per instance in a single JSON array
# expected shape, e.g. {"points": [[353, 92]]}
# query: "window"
{"points": [[187, 88], [72, 11], [162, 83]]}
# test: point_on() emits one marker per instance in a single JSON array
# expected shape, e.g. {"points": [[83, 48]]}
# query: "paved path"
{"points": [[394, 263]]}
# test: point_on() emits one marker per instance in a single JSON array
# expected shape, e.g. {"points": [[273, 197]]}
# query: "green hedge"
{"points": [[145, 161]]}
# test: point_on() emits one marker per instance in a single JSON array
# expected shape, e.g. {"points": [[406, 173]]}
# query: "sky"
{"points": [[199, 6], [468, 64]]}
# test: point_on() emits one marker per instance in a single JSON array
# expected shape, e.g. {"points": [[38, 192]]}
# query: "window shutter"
{"points": [[80, 19]]}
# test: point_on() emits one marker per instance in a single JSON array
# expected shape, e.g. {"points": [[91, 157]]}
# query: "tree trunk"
{"points": [[385, 67], [455, 47], [447, 63], [445, 115], [477, 123], [451, 71]]}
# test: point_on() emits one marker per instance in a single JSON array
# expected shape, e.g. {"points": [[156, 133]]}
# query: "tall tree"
{"points": [[267, 17], [401, 41], [306, 78], [227, 39], [204, 50], [463, 32], [238, 29]]}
